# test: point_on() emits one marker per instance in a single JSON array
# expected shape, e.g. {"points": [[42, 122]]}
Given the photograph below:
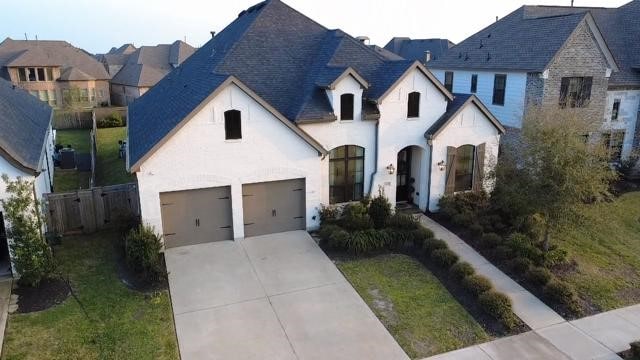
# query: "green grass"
{"points": [[122, 324], [606, 247], [413, 305], [110, 170], [70, 180]]}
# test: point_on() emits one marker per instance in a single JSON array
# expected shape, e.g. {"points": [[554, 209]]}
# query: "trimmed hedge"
{"points": [[461, 270], [444, 257], [490, 240], [520, 265], [562, 293], [538, 276], [477, 284], [403, 221], [499, 306], [431, 245]]}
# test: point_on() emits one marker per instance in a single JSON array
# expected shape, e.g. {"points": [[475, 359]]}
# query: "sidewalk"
{"points": [[5, 295], [597, 337]]}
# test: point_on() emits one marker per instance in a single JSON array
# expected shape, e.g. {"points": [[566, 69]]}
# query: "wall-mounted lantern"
{"points": [[442, 166], [391, 169]]}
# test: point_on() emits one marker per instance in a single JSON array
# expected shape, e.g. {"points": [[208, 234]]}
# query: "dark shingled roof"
{"points": [[453, 107], [415, 49], [528, 38], [281, 55], [24, 122]]}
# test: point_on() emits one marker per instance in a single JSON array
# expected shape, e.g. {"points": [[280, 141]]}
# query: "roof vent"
{"points": [[427, 56], [363, 39], [213, 33]]}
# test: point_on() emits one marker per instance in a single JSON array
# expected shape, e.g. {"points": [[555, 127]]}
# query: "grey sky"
{"points": [[96, 26]]}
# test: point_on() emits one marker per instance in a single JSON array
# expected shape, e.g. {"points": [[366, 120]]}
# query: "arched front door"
{"points": [[404, 181]]}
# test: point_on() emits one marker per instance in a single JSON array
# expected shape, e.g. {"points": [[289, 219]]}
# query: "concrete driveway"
{"points": [[270, 297]]}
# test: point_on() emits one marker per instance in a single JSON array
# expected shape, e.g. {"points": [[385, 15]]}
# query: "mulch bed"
{"points": [[49, 293]]}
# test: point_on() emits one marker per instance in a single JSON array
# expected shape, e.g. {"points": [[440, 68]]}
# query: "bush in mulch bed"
{"points": [[49, 292], [142, 265]]}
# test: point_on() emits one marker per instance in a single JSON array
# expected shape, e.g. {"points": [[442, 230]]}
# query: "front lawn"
{"points": [[413, 305], [70, 180], [111, 170], [606, 248], [121, 323]]}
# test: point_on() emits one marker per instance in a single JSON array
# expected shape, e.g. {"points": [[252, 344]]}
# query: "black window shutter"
{"points": [[564, 88]]}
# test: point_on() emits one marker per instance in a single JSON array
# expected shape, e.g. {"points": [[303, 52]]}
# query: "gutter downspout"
{"points": [[373, 174], [430, 143]]}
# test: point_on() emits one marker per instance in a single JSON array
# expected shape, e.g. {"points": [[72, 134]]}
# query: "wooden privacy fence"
{"points": [[87, 211]]}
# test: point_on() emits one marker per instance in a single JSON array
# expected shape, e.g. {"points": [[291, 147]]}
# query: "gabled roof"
{"points": [[125, 49], [415, 49], [518, 42], [24, 122], [74, 74], [453, 109], [17, 53], [278, 53], [149, 64]]}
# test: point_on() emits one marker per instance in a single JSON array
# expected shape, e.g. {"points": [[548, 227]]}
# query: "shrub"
{"points": [[339, 238], [431, 245], [444, 258], [555, 257], [328, 214], [561, 293], [403, 221], [635, 350], [367, 241], [379, 210], [397, 238], [490, 240], [32, 255], [502, 253], [520, 265], [355, 218], [499, 306], [471, 203], [420, 235], [538, 276], [112, 120], [476, 284], [461, 270], [476, 230], [326, 230], [523, 246], [463, 219], [142, 252]]}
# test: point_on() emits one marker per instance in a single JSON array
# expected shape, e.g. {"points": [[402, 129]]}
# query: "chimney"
{"points": [[427, 56], [496, 19], [213, 33], [363, 39]]}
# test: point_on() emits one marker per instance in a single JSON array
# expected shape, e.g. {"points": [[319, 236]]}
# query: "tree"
{"points": [[30, 253], [552, 170], [75, 101]]}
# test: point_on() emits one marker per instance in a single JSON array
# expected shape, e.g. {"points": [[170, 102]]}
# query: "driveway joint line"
{"points": [[304, 289], [219, 306]]}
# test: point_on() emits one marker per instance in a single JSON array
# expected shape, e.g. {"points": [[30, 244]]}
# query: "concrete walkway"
{"points": [[5, 295], [597, 337]]}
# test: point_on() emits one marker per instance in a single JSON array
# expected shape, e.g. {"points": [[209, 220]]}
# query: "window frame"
{"points": [[349, 185], [22, 74], [615, 110], [29, 72], [230, 132], [499, 94], [474, 84], [458, 167], [349, 114], [448, 80], [413, 105], [575, 91]]}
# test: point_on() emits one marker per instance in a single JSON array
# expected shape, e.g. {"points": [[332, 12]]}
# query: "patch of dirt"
{"points": [[384, 307], [49, 293], [420, 346]]}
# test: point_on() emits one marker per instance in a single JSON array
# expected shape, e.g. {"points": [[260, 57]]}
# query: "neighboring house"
{"points": [[54, 72], [26, 148], [143, 68], [423, 50], [587, 59], [115, 59], [277, 115]]}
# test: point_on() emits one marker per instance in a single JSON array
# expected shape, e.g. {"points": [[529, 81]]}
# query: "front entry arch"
{"points": [[412, 174]]}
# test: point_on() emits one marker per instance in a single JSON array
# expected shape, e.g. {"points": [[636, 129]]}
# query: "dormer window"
{"points": [[346, 107], [232, 125], [413, 105]]}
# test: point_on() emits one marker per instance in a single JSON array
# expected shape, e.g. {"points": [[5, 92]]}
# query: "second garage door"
{"points": [[196, 216], [272, 207]]}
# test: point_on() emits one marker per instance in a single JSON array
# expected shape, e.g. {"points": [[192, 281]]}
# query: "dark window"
{"points": [[41, 74], [232, 125], [616, 109], [413, 106], [499, 86], [346, 107], [22, 74], [464, 168], [613, 142], [346, 174], [474, 83], [448, 80], [49, 74], [31, 74], [575, 91]]}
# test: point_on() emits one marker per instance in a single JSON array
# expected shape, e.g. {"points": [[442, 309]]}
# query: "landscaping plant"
{"points": [[142, 252], [379, 210], [499, 306], [477, 284], [461, 270], [112, 120], [31, 254]]}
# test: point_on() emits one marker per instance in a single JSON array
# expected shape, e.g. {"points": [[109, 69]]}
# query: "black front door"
{"points": [[404, 182], [4, 248]]}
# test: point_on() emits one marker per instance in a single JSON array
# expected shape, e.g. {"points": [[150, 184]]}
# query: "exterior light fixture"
{"points": [[391, 169], [442, 166]]}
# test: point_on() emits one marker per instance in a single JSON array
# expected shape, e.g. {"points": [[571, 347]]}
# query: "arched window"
{"points": [[346, 174], [464, 168], [413, 105], [346, 107], [232, 125]]}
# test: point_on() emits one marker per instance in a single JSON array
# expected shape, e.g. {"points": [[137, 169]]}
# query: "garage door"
{"points": [[272, 207], [196, 216]]}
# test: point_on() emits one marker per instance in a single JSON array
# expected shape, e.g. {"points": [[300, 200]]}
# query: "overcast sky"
{"points": [[96, 26]]}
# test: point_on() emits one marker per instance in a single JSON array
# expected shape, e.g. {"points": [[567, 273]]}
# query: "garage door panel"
{"points": [[274, 207]]}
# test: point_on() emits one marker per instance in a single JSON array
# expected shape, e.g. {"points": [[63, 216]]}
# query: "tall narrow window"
{"points": [[346, 174], [346, 107], [616, 109], [499, 86], [448, 80], [31, 72], [474, 83], [413, 106], [41, 74], [464, 168], [575, 91], [232, 125], [22, 74]]}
